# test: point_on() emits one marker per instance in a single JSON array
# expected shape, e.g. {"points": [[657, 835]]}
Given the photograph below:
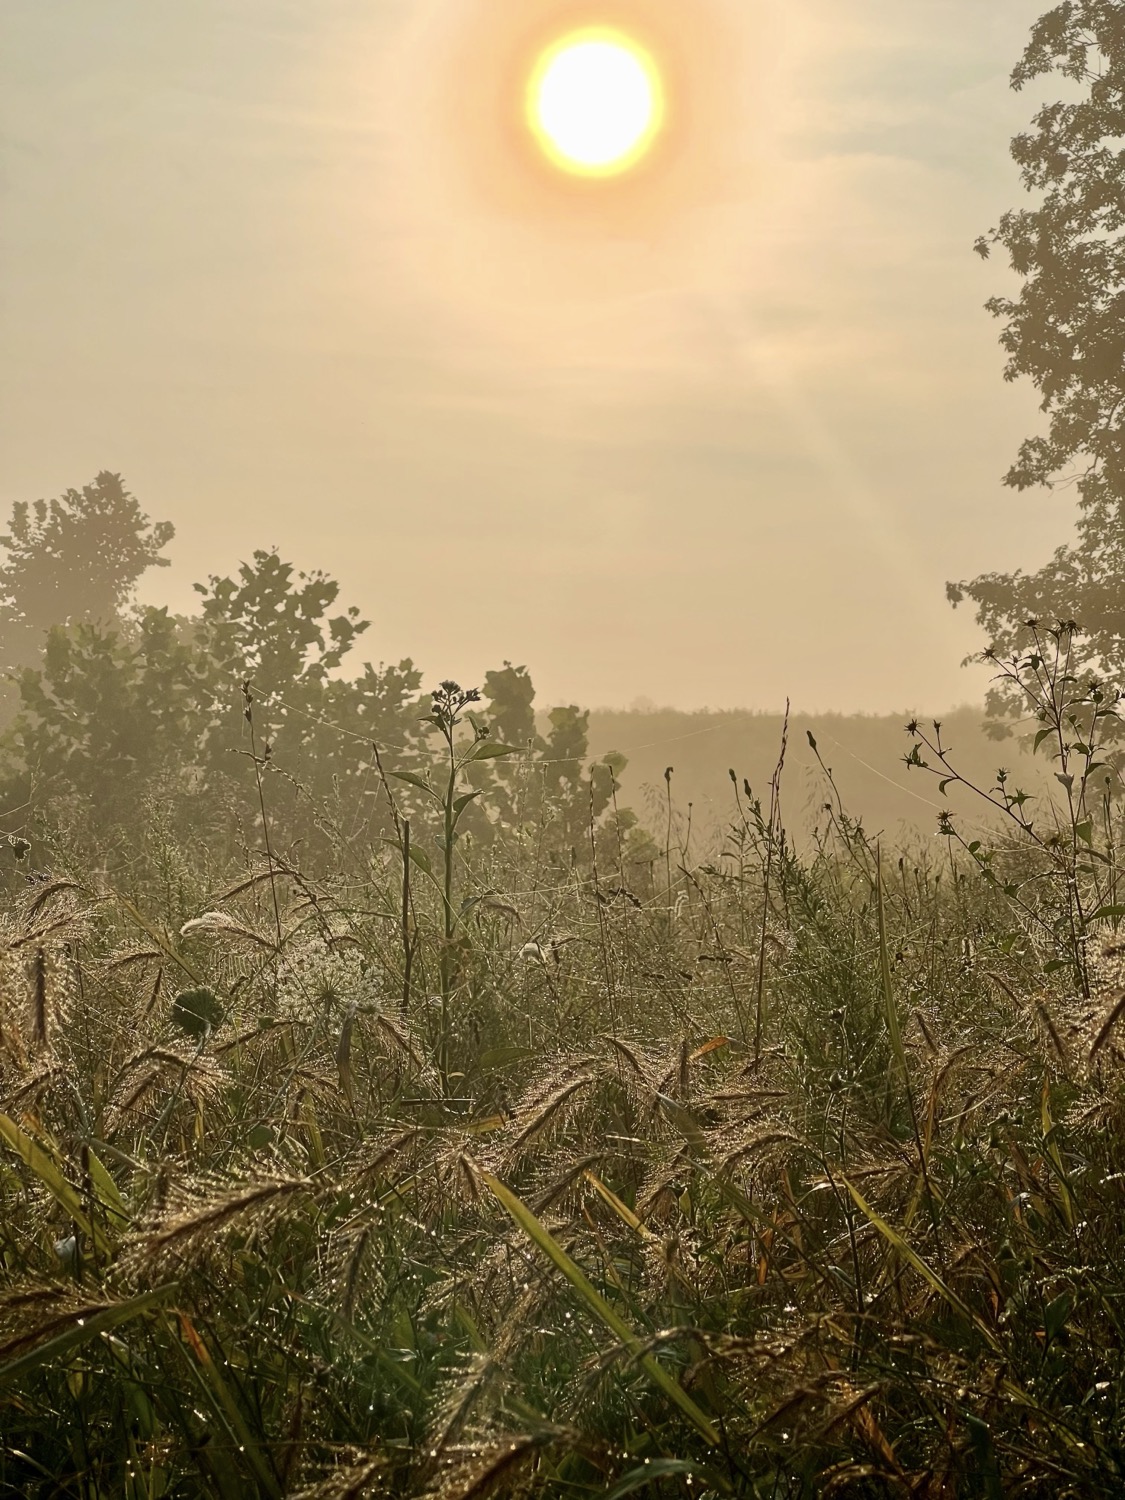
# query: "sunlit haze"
{"points": [[685, 393]]}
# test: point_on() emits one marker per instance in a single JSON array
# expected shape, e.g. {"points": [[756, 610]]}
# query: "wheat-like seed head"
{"points": [[162, 1069], [361, 1479], [196, 1216], [34, 1313]]}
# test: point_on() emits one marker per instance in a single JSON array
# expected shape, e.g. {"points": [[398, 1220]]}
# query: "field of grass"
{"points": [[739, 1172], [865, 752]]}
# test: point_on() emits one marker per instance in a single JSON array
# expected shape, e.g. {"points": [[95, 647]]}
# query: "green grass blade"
{"points": [[108, 1194], [540, 1236], [622, 1210], [663, 1468], [890, 1009], [222, 1402], [40, 1161], [927, 1272]]}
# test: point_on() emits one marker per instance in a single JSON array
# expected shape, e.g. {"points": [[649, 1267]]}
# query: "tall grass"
{"points": [[551, 1215]]}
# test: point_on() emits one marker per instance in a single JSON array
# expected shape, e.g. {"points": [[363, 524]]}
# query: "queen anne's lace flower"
{"points": [[315, 980]]}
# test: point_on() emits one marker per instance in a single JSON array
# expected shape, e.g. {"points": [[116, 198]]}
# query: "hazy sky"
{"points": [[711, 436]]}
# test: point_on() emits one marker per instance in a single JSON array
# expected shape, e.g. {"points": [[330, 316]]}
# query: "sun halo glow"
{"points": [[595, 102]]}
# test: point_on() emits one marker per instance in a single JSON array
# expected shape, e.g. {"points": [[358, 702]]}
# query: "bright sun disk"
{"points": [[595, 102]]}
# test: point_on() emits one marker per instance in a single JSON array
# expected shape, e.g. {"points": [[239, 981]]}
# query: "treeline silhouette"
{"points": [[118, 714]]}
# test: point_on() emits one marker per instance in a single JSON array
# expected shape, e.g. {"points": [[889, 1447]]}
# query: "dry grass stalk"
{"points": [[31, 1088], [221, 924], [550, 1195], [40, 934], [1106, 1028], [44, 893], [628, 1055], [759, 1144], [40, 1010], [132, 956], [391, 1149], [461, 1399], [358, 1276], [400, 1037], [197, 1076]]}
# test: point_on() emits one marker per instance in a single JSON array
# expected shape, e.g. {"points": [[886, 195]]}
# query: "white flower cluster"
{"points": [[316, 981]]}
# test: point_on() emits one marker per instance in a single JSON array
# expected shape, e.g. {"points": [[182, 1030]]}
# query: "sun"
{"points": [[595, 102]]}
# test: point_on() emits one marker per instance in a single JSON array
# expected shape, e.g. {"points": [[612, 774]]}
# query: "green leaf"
{"points": [[1040, 737], [686, 1123], [105, 1189], [503, 1057], [985, 1451], [1055, 1315], [490, 750], [1106, 911], [596, 1303], [413, 780], [462, 802], [420, 858], [224, 1404], [1085, 831]]}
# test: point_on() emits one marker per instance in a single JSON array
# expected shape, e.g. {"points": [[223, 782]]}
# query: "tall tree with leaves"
{"points": [[1066, 331], [73, 560]]}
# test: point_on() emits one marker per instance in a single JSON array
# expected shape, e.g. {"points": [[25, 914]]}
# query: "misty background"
{"points": [[725, 453]]}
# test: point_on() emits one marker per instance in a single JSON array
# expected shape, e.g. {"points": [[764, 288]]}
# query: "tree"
{"points": [[156, 705], [546, 790], [103, 716], [265, 627], [71, 560], [1066, 331], [510, 695]]}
